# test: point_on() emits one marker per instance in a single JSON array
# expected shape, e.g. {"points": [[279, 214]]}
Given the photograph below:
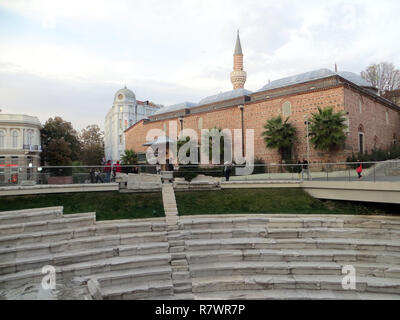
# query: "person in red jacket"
{"points": [[359, 170], [107, 170], [118, 167]]}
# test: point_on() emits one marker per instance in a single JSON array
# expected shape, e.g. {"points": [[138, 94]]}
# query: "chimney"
{"points": [[335, 67]]}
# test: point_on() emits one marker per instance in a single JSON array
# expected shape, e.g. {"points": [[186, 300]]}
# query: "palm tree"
{"points": [[129, 157], [280, 135], [327, 129]]}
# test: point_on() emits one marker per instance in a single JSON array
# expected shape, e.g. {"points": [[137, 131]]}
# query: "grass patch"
{"points": [[231, 201], [107, 205], [115, 205]]}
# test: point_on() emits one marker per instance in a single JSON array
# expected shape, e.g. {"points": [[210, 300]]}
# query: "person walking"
{"points": [[305, 170], [107, 170], [299, 168], [359, 170], [227, 170]]}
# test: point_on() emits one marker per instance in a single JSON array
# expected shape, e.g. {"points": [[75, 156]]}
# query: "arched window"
{"points": [[2, 135], [287, 109], [200, 123], [387, 117], [30, 138], [375, 142], [360, 105], [14, 139], [394, 138]]}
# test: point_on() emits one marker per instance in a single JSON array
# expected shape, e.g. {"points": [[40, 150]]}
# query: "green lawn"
{"points": [[107, 205], [115, 205], [269, 201]]}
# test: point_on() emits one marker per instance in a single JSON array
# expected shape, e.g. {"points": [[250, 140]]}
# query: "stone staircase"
{"points": [[263, 256], [170, 208], [126, 259], [292, 256]]}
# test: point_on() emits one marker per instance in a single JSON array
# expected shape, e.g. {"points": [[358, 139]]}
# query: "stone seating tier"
{"points": [[204, 257]]}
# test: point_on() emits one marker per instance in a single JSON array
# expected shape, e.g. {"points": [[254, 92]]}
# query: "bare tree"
{"points": [[383, 76]]}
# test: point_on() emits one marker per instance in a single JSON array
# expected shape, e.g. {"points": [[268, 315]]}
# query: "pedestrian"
{"points": [[107, 170], [305, 170], [359, 170], [118, 168], [92, 175], [97, 174], [299, 168], [227, 170]]}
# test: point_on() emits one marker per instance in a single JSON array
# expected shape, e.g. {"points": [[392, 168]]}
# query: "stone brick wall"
{"points": [[372, 119]]}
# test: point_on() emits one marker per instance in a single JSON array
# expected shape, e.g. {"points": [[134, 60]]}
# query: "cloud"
{"points": [[71, 56]]}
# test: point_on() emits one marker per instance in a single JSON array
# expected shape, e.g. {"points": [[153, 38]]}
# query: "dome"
{"points": [[175, 107], [124, 95], [225, 96]]}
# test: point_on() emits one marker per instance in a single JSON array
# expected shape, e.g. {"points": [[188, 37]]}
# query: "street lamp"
{"points": [[307, 123]]}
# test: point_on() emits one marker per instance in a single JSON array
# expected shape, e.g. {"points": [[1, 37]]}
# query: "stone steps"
{"points": [[156, 289], [30, 215], [318, 255], [87, 268], [313, 268], [63, 256], [298, 282], [287, 233], [75, 233], [267, 243], [293, 294], [288, 222], [131, 276], [35, 250], [64, 222]]}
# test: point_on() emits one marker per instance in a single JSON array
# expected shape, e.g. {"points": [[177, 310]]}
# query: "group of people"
{"points": [[108, 169], [303, 169]]}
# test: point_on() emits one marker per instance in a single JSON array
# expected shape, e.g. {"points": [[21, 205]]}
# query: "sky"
{"points": [[68, 58]]}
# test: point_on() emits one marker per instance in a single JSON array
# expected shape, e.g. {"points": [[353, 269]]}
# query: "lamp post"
{"points": [[306, 122]]}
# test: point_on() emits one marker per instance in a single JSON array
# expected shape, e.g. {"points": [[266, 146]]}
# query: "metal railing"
{"points": [[339, 171]]}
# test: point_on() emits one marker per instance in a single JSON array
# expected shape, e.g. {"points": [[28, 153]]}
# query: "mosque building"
{"points": [[373, 121]]}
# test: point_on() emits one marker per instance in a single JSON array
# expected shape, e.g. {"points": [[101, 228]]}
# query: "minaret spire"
{"points": [[238, 76]]}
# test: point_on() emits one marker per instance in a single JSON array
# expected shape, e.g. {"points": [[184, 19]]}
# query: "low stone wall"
{"points": [[60, 180], [144, 181], [57, 188]]}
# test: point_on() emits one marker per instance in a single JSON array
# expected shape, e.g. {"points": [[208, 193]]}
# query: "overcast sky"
{"points": [[68, 58]]}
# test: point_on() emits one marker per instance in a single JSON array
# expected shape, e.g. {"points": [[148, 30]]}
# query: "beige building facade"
{"points": [[20, 147]]}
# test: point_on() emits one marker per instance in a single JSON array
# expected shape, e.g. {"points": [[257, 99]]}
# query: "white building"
{"points": [[19, 147], [125, 112]]}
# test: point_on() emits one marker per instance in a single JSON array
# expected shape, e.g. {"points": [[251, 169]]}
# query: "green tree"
{"points": [[280, 135], [129, 157], [327, 129], [92, 143], [57, 133]]}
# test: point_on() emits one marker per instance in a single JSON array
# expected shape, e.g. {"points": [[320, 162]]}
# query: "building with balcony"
{"points": [[20, 147]]}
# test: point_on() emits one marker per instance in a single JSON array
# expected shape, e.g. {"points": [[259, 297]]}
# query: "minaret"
{"points": [[238, 76]]}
